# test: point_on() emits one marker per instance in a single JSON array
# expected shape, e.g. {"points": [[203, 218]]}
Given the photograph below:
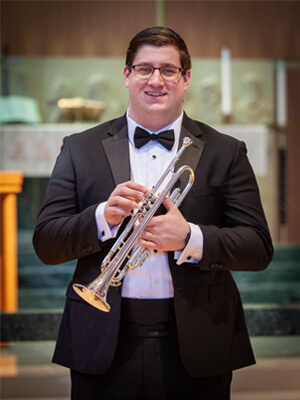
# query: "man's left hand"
{"points": [[166, 232]]}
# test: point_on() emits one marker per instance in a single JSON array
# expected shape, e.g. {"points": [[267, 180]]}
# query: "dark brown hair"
{"points": [[158, 36]]}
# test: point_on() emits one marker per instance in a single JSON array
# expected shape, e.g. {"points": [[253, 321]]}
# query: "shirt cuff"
{"points": [[193, 251], [105, 232]]}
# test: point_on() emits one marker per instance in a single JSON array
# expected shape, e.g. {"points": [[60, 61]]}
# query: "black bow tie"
{"points": [[141, 137]]}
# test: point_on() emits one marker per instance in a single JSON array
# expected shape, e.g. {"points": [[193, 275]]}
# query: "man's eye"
{"points": [[168, 71], [145, 70]]}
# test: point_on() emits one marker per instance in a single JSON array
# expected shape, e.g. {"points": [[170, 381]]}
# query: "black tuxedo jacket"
{"points": [[224, 201]]}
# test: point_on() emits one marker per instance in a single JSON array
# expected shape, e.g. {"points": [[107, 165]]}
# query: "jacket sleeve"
{"points": [[63, 232], [243, 240]]}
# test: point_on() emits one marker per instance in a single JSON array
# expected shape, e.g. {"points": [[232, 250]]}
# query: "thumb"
{"points": [[168, 204]]}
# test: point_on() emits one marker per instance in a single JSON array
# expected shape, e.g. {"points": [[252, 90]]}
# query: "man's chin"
{"points": [[156, 108]]}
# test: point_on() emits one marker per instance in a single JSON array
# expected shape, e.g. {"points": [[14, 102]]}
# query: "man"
{"points": [[176, 326]]}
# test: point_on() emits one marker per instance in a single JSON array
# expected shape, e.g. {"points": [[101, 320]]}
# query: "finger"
{"points": [[117, 208], [114, 215], [147, 244], [127, 194], [168, 203], [136, 186], [131, 189], [155, 223], [121, 202], [147, 235]]}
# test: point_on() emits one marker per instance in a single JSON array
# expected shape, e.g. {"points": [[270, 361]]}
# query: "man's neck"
{"points": [[154, 123]]}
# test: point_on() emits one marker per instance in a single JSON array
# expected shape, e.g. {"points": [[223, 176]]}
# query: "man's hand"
{"points": [[122, 200], [166, 232]]}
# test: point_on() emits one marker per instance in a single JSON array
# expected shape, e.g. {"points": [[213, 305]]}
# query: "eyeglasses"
{"points": [[146, 71]]}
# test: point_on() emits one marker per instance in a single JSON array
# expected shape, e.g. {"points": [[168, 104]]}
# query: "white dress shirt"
{"points": [[153, 279]]}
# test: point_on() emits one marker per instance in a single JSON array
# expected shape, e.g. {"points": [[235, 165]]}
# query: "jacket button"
{"points": [[88, 248], [216, 265]]}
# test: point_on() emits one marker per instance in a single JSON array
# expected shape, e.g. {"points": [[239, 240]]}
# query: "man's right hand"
{"points": [[124, 198]]}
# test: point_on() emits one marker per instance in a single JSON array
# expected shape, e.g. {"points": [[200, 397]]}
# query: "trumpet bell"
{"points": [[91, 297]]}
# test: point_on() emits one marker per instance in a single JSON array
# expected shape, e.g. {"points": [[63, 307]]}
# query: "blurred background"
{"points": [[61, 72]]}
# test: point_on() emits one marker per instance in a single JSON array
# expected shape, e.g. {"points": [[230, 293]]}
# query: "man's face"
{"points": [[153, 102]]}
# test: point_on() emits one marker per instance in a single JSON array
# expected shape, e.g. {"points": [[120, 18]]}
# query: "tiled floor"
{"points": [[27, 373]]}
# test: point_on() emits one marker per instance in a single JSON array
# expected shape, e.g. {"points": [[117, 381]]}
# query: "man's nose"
{"points": [[156, 78]]}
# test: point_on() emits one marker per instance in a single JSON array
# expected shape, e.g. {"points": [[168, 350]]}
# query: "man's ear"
{"points": [[187, 78], [126, 73]]}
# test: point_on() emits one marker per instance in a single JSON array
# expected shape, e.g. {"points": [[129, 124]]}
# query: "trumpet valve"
{"points": [[146, 205]]}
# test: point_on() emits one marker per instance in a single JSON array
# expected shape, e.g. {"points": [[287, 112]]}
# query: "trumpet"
{"points": [[119, 259]]}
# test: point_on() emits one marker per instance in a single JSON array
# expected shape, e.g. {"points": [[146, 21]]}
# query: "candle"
{"points": [[226, 81], [281, 93]]}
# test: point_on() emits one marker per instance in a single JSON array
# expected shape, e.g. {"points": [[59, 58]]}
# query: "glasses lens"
{"points": [[169, 73], [143, 71]]}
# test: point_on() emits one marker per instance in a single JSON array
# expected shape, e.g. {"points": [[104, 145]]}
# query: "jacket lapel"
{"points": [[117, 152]]}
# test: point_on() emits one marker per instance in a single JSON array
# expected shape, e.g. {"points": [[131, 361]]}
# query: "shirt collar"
{"points": [[175, 125]]}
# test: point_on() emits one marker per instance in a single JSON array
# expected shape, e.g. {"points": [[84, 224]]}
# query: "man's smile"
{"points": [[155, 94]]}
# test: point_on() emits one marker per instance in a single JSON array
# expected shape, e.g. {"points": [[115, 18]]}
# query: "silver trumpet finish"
{"points": [[118, 260]]}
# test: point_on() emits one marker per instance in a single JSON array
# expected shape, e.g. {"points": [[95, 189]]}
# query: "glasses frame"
{"points": [[180, 70]]}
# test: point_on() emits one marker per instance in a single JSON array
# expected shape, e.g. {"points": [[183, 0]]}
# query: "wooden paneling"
{"points": [[73, 28], [252, 29]]}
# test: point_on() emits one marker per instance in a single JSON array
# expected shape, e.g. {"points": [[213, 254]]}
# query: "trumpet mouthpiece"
{"points": [[187, 141]]}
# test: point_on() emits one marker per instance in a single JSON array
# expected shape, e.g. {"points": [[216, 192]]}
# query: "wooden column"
{"points": [[292, 155], [10, 184]]}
